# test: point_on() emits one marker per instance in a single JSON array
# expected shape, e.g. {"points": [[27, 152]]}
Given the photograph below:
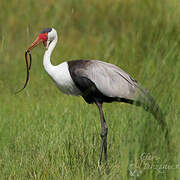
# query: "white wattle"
{"points": [[63, 80], [60, 74]]}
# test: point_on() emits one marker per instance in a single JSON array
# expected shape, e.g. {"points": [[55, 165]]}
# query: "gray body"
{"points": [[107, 78]]}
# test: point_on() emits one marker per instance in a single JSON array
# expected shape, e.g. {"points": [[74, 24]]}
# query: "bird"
{"points": [[97, 82]]}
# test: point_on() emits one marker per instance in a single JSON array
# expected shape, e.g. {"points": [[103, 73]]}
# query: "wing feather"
{"points": [[110, 79]]}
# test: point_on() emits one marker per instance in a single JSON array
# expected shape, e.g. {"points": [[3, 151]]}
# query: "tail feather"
{"points": [[150, 105]]}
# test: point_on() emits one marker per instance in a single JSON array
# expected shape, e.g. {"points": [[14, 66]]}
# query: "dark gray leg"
{"points": [[104, 131]]}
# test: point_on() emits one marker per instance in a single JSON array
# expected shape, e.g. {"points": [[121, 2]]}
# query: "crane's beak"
{"points": [[35, 43], [41, 38]]}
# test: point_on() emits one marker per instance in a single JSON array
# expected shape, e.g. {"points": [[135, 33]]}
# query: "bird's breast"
{"points": [[63, 80]]}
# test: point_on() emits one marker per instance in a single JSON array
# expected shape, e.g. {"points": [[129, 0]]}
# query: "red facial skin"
{"points": [[41, 38]]}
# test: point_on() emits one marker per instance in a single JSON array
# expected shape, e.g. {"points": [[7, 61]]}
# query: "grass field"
{"points": [[45, 134]]}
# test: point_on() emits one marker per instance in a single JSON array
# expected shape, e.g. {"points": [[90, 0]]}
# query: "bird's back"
{"points": [[109, 79]]}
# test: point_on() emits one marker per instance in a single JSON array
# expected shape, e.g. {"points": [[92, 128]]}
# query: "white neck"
{"points": [[47, 57]]}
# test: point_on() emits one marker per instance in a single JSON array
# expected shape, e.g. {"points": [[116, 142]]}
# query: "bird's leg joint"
{"points": [[104, 132]]}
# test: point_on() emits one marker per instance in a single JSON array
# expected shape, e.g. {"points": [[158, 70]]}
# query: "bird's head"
{"points": [[46, 36]]}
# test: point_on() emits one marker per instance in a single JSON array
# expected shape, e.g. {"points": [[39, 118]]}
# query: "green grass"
{"points": [[45, 134]]}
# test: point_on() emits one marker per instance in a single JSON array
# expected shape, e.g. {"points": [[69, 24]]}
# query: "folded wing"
{"points": [[110, 80]]}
